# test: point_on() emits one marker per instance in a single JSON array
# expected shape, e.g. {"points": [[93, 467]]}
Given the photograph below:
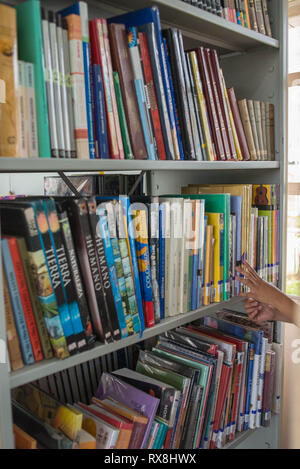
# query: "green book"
{"points": [[161, 434], [123, 122], [36, 306], [30, 49], [218, 203]]}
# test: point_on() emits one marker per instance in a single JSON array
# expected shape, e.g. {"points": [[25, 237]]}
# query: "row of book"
{"points": [[121, 88], [197, 387], [103, 266], [252, 14]]}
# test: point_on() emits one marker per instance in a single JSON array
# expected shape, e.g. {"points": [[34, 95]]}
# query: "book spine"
{"points": [[266, 18], [134, 325], [68, 84], [52, 267], [252, 13], [63, 86], [117, 260], [83, 8], [178, 129], [210, 155], [31, 112], [264, 129], [259, 16], [22, 95], [25, 300], [157, 71], [64, 272], [142, 250], [102, 150], [122, 117], [272, 130], [25, 344], [161, 278], [13, 343], [248, 23], [112, 134], [9, 119], [29, 25], [258, 121], [56, 84], [153, 212], [145, 58], [112, 90], [248, 128], [76, 276], [36, 307], [78, 86], [210, 103]]}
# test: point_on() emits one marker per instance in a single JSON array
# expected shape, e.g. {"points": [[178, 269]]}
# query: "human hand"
{"points": [[260, 312], [259, 290]]}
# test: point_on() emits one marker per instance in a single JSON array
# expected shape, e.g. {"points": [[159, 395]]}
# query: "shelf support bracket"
{"points": [[69, 184], [141, 175]]}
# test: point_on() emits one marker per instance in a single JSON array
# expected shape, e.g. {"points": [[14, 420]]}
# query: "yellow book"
{"points": [[86, 440], [208, 256], [217, 221], [48, 409], [232, 123], [202, 107], [9, 115]]}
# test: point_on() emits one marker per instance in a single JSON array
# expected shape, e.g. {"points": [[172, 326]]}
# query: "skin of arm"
{"points": [[265, 302]]}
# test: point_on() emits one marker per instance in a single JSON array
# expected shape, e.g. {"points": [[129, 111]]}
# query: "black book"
{"points": [[180, 92], [65, 272], [79, 221], [110, 307], [75, 273]]}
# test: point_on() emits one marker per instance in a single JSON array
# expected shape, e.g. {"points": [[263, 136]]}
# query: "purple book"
{"points": [[113, 387]]}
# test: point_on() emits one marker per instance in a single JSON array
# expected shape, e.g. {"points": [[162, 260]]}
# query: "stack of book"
{"points": [[110, 266], [252, 14], [199, 386], [121, 88]]}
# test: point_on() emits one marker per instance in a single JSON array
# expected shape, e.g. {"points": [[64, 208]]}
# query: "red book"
{"points": [[25, 299], [217, 101], [221, 93], [124, 425], [209, 98], [145, 59], [98, 57]]}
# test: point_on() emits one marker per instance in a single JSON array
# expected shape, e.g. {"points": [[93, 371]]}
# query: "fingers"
{"points": [[246, 281]]}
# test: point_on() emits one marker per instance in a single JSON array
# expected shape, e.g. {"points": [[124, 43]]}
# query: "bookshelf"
{"points": [[256, 66]]}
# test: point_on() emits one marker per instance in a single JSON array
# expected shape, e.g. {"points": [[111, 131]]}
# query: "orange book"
{"points": [[23, 440], [139, 421], [85, 440], [247, 14], [123, 424]]}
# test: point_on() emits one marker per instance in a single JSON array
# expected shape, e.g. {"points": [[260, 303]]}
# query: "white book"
{"points": [[63, 86], [78, 87], [68, 84], [174, 255], [106, 435], [56, 84], [276, 405], [254, 388], [32, 136], [187, 225], [166, 234], [49, 84], [181, 256], [241, 417], [22, 93], [261, 381]]}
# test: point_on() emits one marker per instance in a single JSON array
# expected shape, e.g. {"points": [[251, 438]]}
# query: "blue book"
{"points": [[175, 110], [141, 99], [104, 230], [81, 9], [161, 247], [16, 303], [236, 208], [52, 267], [100, 114], [204, 260], [125, 206], [141, 18], [64, 272]]}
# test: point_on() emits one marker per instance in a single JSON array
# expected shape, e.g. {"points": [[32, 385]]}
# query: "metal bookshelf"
{"points": [[256, 66]]}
